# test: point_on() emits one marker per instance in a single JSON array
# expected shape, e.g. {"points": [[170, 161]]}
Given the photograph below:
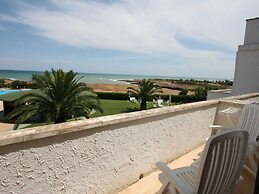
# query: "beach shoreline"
{"points": [[168, 86], [122, 88]]}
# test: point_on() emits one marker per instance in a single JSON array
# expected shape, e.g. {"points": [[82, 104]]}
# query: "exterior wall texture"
{"points": [[106, 158], [247, 71], [246, 79]]}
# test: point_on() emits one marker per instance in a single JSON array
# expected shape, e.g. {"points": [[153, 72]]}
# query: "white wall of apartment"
{"points": [[246, 79]]}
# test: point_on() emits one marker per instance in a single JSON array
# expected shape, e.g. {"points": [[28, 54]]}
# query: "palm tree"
{"points": [[145, 91], [61, 97]]}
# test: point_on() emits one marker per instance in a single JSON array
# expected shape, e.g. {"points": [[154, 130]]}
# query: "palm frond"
{"points": [[63, 97]]}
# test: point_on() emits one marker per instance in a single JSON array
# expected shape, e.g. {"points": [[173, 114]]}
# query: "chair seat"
{"points": [[196, 163], [187, 175]]}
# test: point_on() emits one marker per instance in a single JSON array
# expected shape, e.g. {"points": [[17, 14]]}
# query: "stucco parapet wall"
{"points": [[12, 137], [241, 97], [236, 102]]}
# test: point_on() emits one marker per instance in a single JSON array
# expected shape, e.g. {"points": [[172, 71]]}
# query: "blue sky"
{"points": [[149, 37]]}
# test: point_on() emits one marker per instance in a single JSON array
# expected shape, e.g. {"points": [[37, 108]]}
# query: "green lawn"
{"points": [[111, 107]]}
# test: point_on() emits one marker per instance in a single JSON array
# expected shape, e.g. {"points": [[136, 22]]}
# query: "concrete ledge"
{"points": [[221, 91], [11, 137], [241, 97]]}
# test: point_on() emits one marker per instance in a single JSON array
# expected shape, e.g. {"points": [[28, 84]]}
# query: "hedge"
{"points": [[125, 96], [113, 95], [180, 98]]}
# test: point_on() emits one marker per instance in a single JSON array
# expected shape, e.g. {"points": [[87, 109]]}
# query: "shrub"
{"points": [[183, 92], [19, 84], [201, 93], [2, 83], [179, 98], [165, 97], [113, 95]]}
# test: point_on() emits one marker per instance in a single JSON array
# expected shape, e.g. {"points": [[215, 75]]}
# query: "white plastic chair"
{"points": [[219, 169], [132, 99], [160, 102], [248, 121]]}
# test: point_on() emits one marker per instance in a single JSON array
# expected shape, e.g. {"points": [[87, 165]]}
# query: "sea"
{"points": [[93, 77]]}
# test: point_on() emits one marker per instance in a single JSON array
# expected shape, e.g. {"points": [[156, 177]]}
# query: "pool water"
{"points": [[2, 92]]}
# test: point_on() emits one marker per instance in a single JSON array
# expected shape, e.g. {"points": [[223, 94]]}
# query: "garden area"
{"points": [[59, 96], [112, 107]]}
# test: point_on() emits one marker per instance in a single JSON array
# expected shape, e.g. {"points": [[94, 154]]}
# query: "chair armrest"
{"points": [[215, 129], [215, 126], [254, 143], [173, 179], [218, 129], [253, 147], [249, 171], [196, 164]]}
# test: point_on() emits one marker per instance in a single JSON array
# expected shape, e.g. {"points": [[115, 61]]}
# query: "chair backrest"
{"points": [[249, 121], [221, 162]]}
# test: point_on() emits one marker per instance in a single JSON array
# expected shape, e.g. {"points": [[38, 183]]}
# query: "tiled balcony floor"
{"points": [[150, 183]]}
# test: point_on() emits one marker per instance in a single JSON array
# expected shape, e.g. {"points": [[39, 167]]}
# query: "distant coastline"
{"points": [[94, 77]]}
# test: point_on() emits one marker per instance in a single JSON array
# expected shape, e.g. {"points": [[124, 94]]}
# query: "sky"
{"points": [[184, 38]]}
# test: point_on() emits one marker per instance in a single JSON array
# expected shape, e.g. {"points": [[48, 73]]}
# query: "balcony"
{"points": [[151, 185], [109, 154]]}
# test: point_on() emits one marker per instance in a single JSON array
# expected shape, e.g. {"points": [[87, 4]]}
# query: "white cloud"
{"points": [[8, 18], [143, 26], [148, 26]]}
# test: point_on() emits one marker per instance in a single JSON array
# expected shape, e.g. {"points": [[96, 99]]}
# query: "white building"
{"points": [[246, 78]]}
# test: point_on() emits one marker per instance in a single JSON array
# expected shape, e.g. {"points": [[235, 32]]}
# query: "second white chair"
{"points": [[219, 168], [248, 121]]}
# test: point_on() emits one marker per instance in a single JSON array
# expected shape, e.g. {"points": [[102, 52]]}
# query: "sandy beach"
{"points": [[123, 88]]}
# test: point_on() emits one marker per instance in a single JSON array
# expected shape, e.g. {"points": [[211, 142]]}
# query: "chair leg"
{"points": [[252, 162], [249, 171], [164, 188], [167, 188], [172, 190]]}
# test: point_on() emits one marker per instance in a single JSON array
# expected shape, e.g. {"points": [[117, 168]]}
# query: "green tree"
{"points": [[183, 92], [61, 97], [201, 93], [145, 91], [2, 83], [17, 84]]}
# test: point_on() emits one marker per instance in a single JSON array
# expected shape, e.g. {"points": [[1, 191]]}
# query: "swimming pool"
{"points": [[2, 92]]}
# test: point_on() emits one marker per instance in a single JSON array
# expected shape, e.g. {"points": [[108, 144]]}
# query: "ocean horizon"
{"points": [[101, 78]]}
